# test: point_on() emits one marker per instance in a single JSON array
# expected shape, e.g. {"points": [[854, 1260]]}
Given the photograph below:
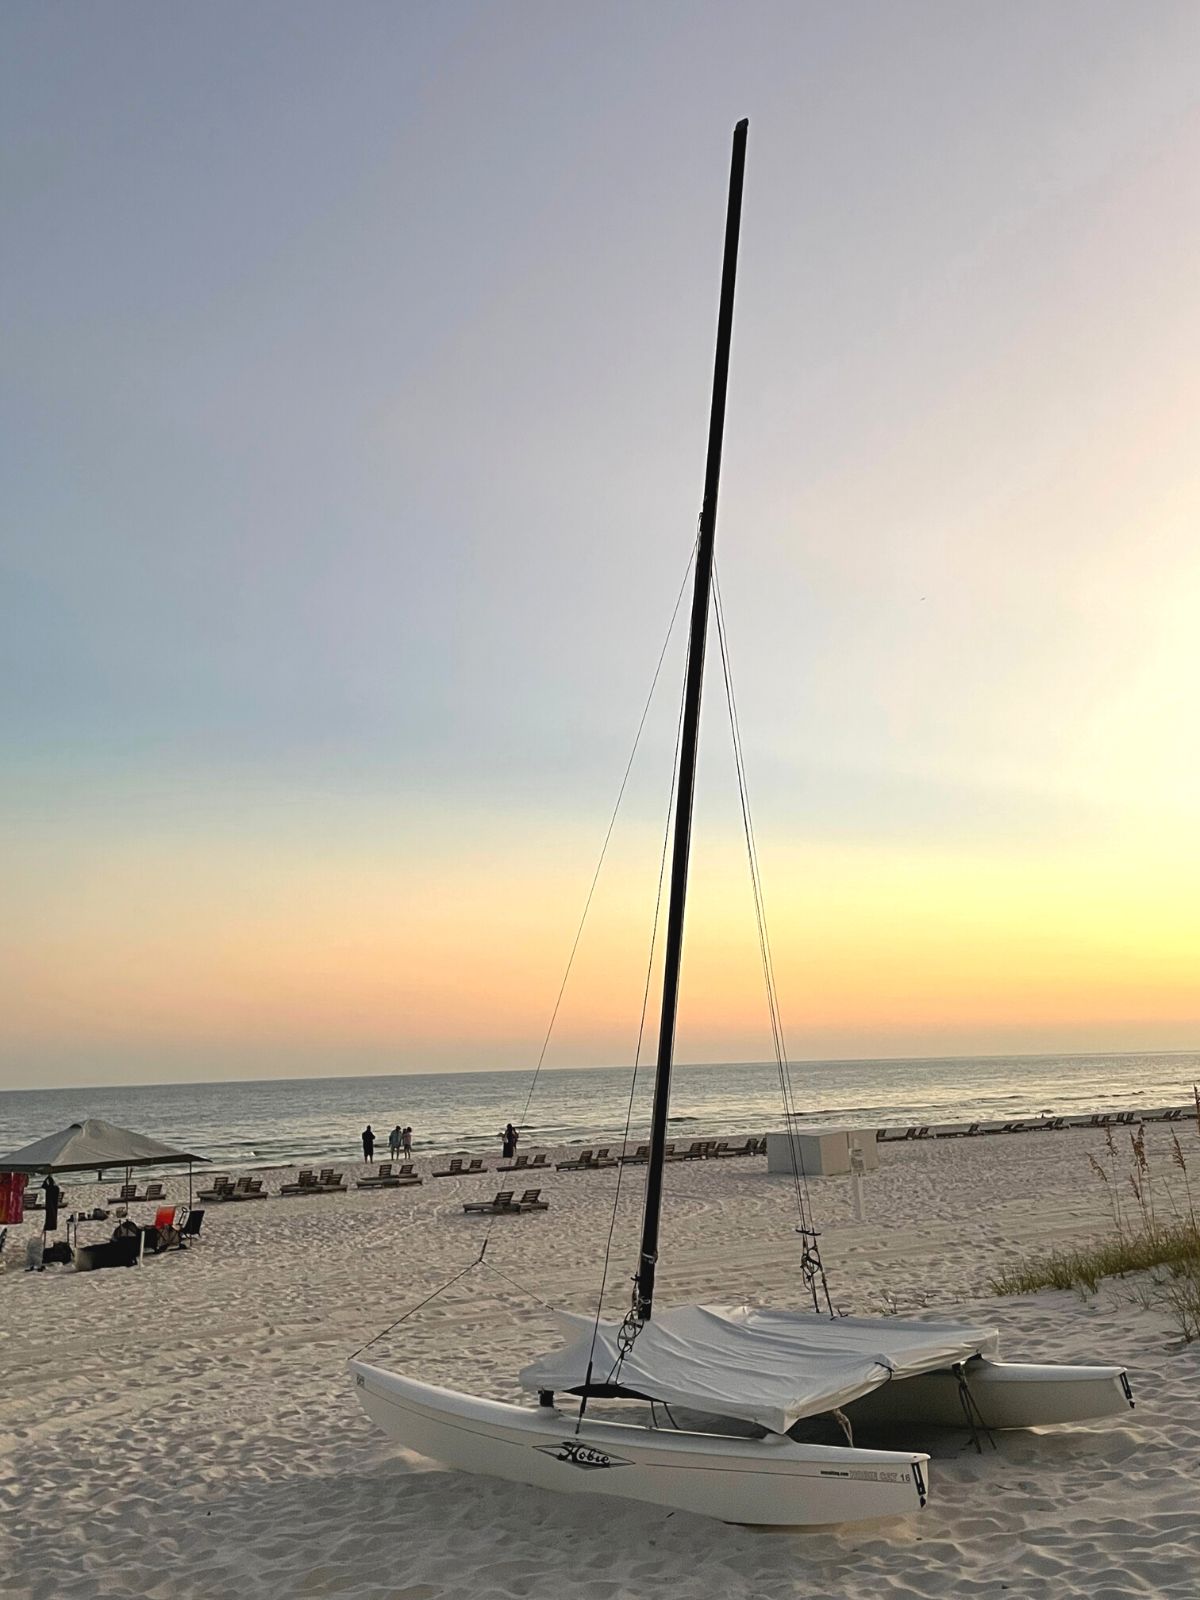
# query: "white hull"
{"points": [[1006, 1394], [771, 1481]]}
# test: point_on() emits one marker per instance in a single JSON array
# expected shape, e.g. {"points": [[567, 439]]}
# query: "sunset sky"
{"points": [[356, 366]]}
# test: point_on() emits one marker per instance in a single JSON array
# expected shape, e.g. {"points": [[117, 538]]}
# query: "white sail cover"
{"points": [[756, 1364]]}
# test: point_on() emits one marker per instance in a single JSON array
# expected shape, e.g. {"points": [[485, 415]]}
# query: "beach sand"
{"points": [[186, 1430]]}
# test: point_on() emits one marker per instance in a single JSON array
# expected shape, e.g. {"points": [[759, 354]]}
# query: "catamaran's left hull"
{"points": [[773, 1481]]}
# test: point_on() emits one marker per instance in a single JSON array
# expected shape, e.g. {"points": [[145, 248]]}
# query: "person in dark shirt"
{"points": [[53, 1195], [509, 1147], [368, 1139]]}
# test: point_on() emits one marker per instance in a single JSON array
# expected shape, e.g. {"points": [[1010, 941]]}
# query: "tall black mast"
{"points": [[643, 1296]]}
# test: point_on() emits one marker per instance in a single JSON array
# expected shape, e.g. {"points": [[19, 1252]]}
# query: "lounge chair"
{"points": [[750, 1148], [531, 1200], [639, 1157], [222, 1189], [477, 1165], [332, 1182], [192, 1223], [129, 1193], [585, 1158], [306, 1183], [502, 1202], [154, 1191], [518, 1165], [380, 1180], [605, 1158], [164, 1217], [405, 1175], [454, 1170]]}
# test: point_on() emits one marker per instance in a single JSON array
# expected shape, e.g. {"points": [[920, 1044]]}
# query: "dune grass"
{"points": [[1154, 1233]]}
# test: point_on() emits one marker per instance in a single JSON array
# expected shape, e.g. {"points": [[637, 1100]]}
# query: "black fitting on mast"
{"points": [[643, 1293]]}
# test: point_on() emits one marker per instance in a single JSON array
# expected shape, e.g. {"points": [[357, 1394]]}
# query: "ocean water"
{"points": [[280, 1122]]}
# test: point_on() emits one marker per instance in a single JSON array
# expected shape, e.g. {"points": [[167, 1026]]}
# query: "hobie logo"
{"points": [[581, 1455]]}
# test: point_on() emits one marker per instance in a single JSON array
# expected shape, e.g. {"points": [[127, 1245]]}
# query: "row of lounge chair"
{"points": [[129, 1194], [389, 1176], [698, 1150], [504, 1203], [594, 1159], [402, 1178], [326, 1181], [225, 1188], [308, 1182], [971, 1130]]}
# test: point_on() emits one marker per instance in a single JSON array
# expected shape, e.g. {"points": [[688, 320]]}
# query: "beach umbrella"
{"points": [[96, 1144]]}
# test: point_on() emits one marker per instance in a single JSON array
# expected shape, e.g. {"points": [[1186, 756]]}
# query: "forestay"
{"points": [[754, 1363]]}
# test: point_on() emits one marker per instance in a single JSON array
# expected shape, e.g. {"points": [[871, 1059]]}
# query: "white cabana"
{"points": [[754, 1363]]}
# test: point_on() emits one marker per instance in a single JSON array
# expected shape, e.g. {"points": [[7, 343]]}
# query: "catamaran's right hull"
{"points": [[1004, 1394], [772, 1481]]}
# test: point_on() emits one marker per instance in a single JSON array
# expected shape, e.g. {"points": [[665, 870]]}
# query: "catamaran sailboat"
{"points": [[757, 1370]]}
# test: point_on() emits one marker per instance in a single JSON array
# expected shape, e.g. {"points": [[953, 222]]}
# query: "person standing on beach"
{"points": [[368, 1139], [53, 1197], [406, 1140], [394, 1142], [509, 1137]]}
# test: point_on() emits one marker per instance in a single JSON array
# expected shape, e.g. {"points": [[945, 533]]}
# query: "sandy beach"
{"points": [[186, 1431]]}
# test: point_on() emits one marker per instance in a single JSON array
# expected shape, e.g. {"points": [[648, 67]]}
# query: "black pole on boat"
{"points": [[643, 1295]]}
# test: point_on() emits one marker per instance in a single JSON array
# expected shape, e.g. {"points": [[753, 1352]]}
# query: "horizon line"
{"points": [[681, 1066]]}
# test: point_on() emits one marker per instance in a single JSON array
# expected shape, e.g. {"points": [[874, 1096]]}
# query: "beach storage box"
{"points": [[821, 1152]]}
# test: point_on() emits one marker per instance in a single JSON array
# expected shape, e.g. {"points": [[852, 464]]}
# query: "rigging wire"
{"points": [[479, 1259], [412, 1310], [491, 1266], [612, 822], [811, 1265], [628, 1332], [608, 834]]}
